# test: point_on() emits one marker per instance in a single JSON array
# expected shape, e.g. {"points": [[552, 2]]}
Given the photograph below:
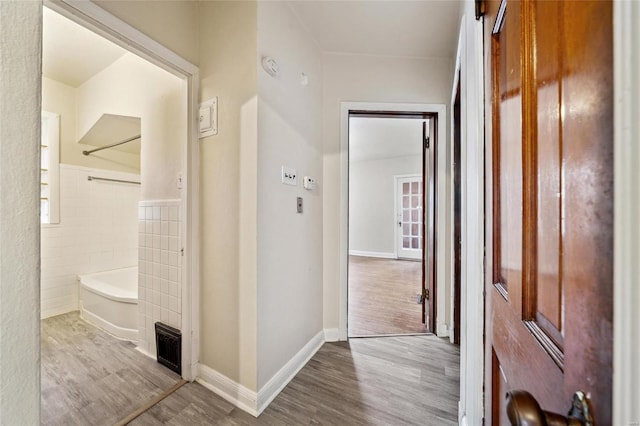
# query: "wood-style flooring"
{"points": [[90, 378], [382, 297]]}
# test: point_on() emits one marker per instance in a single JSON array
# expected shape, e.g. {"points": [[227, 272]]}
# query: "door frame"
{"points": [[396, 178], [456, 215], [442, 277], [96, 19], [626, 293], [469, 62]]}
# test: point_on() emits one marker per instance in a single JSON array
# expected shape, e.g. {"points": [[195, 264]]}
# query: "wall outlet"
{"points": [[289, 176]]}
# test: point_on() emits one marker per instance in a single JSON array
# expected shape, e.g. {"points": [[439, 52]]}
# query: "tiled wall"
{"points": [[160, 278], [97, 232]]}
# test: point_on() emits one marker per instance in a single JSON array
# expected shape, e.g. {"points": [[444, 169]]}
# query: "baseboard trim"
{"points": [[146, 353], [462, 417], [282, 378], [381, 255], [221, 385], [335, 335], [442, 330], [248, 400]]}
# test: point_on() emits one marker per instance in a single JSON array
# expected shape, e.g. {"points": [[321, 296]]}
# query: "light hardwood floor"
{"points": [[382, 297], [90, 378]]}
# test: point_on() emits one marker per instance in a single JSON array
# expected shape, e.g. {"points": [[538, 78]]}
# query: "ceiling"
{"points": [[426, 28], [72, 54], [378, 138], [422, 28]]}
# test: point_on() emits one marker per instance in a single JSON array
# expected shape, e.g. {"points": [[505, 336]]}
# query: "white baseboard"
{"points": [[146, 353], [335, 335], [47, 312], [442, 330], [248, 400], [282, 378], [462, 417], [221, 385], [382, 255]]}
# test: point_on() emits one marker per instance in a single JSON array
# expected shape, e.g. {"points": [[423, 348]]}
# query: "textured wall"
{"points": [[20, 83]]}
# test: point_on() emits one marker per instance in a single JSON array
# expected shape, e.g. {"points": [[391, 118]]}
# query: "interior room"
{"points": [[386, 225], [217, 181]]}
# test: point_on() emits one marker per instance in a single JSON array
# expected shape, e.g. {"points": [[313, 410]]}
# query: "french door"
{"points": [[409, 217]]}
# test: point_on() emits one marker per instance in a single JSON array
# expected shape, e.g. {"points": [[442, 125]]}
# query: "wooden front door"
{"points": [[549, 76]]}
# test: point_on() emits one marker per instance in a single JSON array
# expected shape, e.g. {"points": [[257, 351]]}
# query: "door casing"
{"points": [[96, 19], [442, 327]]}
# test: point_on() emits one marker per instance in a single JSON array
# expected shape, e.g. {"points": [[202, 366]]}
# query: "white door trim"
{"points": [[95, 18], [440, 202], [469, 60], [626, 316]]}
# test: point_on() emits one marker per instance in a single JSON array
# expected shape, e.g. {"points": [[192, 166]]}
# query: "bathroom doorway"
{"points": [[117, 209]]}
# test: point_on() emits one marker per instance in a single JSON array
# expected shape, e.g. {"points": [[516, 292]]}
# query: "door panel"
{"points": [[549, 122], [409, 217]]}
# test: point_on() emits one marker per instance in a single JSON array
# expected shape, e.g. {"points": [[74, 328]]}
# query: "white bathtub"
{"points": [[109, 300]]}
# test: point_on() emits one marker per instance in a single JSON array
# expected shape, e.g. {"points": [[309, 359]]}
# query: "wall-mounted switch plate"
{"points": [[208, 118], [299, 204], [289, 176], [309, 183]]}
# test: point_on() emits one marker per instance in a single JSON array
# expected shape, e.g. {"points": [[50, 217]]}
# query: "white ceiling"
{"points": [[378, 138], [422, 28], [419, 28], [72, 54]]}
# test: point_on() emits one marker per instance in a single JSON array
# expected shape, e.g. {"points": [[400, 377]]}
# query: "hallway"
{"points": [[90, 377]]}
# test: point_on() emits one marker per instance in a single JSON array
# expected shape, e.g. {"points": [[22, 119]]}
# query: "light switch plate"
{"points": [[208, 118], [289, 176]]}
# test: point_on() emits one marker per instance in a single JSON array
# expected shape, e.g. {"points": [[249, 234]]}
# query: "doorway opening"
{"points": [[391, 223], [119, 213]]}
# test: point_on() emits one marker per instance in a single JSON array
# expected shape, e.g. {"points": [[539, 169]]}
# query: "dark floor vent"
{"points": [[169, 347]]}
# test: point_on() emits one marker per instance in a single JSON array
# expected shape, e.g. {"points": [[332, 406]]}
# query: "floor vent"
{"points": [[169, 347]]}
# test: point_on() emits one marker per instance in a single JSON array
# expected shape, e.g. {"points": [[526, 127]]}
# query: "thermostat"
{"points": [[309, 182]]}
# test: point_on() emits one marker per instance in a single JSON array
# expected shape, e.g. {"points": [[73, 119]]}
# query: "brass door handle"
{"points": [[524, 410]]}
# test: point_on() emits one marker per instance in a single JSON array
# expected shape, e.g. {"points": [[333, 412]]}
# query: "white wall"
{"points": [[62, 99], [20, 71], [228, 182], [372, 202], [97, 232], [289, 244], [361, 78], [132, 86]]}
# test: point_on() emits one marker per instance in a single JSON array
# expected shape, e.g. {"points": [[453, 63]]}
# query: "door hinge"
{"points": [[182, 251], [426, 142]]}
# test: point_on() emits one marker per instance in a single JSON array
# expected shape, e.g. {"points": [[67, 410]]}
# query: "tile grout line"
{"points": [[149, 404]]}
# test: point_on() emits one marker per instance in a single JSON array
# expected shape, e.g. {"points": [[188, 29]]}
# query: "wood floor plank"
{"points": [[404, 380], [382, 297]]}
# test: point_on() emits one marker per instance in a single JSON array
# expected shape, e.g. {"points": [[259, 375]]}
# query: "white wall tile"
{"points": [[159, 249], [101, 227]]}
